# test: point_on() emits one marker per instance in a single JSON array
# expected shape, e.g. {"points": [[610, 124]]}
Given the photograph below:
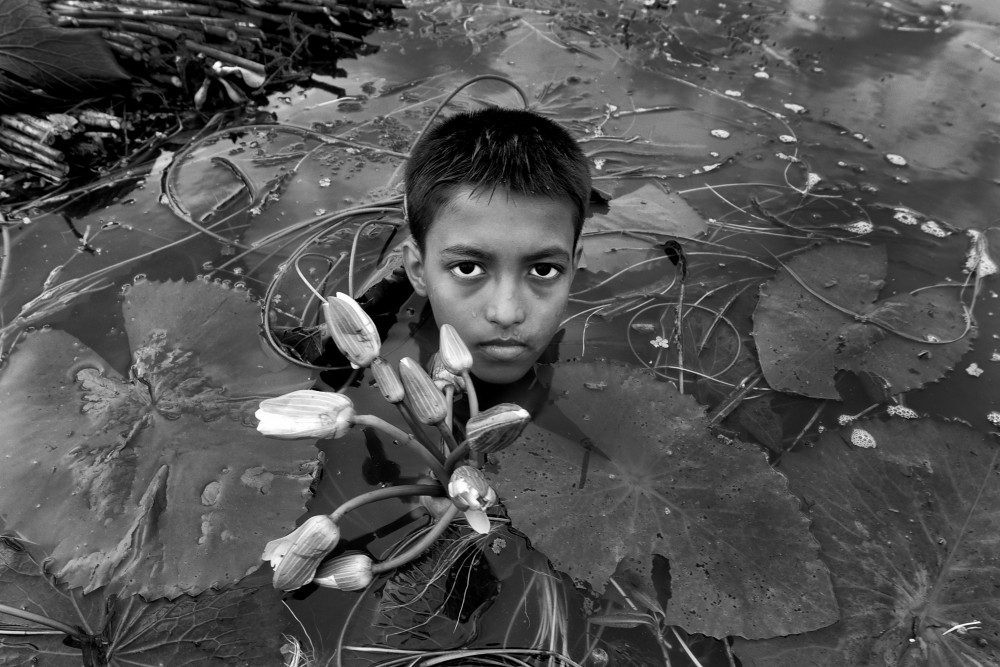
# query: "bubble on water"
{"points": [[733, 93], [720, 134], [994, 418], [239, 285], [934, 229], [795, 108], [598, 658], [861, 227], [760, 74], [238, 271], [901, 411], [126, 288], [208, 266], [894, 159], [787, 139], [904, 216], [844, 420], [862, 438], [139, 278], [227, 283]]}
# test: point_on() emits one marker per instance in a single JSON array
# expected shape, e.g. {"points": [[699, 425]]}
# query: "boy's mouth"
{"points": [[502, 349]]}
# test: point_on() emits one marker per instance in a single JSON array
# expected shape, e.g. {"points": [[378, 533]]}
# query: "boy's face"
{"points": [[498, 267]]}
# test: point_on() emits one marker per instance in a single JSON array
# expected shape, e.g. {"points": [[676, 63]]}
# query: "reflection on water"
{"points": [[751, 131]]}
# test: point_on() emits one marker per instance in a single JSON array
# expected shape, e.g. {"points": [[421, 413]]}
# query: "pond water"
{"points": [[814, 161]]}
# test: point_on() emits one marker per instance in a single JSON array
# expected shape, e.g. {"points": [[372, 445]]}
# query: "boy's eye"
{"points": [[467, 270], [547, 271]]}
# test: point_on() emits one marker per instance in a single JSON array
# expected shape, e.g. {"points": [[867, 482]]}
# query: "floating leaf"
{"points": [[43, 65], [238, 626], [803, 340], [610, 241], [909, 530], [655, 481], [153, 483]]}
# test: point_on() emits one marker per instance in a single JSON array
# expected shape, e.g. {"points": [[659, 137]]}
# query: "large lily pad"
{"points": [[614, 241], [238, 626], [151, 483], [742, 561], [909, 529], [42, 65], [803, 340]]}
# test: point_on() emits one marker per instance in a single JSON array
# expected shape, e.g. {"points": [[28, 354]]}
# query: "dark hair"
{"points": [[514, 149]]}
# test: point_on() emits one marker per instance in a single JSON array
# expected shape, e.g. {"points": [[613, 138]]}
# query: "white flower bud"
{"points": [[305, 413]]}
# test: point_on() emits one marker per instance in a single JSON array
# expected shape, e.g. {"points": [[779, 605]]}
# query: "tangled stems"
{"points": [[410, 441], [382, 494], [420, 546], [41, 620]]}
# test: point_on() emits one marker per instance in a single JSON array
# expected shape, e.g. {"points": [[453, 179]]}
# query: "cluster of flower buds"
{"points": [[304, 555]]}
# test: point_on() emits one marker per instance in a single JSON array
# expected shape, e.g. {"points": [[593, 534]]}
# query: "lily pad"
{"points": [[153, 482], [238, 626], [43, 65], [613, 242], [821, 313], [642, 475], [909, 529]]}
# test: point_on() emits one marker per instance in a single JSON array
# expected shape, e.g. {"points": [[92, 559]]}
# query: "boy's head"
{"points": [[495, 200]]}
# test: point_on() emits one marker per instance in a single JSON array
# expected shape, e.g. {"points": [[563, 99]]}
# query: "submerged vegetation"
{"points": [[746, 449]]}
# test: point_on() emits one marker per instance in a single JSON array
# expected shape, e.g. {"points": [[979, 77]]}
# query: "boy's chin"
{"points": [[501, 373]]}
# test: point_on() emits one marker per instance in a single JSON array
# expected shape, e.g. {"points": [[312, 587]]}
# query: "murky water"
{"points": [[780, 124]]}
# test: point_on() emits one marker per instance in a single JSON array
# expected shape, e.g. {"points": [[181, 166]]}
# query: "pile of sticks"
{"points": [[26, 141], [271, 37], [188, 50]]}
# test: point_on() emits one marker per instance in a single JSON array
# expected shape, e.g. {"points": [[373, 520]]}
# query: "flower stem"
{"points": [[405, 438], [41, 620], [470, 389], [450, 443], [383, 494], [449, 396], [457, 455], [409, 419], [420, 546]]}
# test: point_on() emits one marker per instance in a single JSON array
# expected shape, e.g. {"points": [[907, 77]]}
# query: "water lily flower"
{"points": [[471, 493], [443, 377], [353, 331], [388, 380], [296, 556], [349, 572], [426, 401], [305, 413], [496, 428], [454, 353]]}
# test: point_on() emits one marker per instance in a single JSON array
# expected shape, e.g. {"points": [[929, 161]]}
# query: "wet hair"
{"points": [[511, 149]]}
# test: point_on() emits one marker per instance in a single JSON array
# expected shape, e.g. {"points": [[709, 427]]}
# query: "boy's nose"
{"points": [[506, 308]]}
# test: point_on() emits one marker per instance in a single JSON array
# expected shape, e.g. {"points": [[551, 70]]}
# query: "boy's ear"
{"points": [[578, 254], [413, 261]]}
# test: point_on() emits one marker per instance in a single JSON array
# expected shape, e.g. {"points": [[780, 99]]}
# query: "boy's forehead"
{"points": [[473, 217]]}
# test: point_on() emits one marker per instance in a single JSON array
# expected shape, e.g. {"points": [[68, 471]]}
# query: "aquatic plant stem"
{"points": [[456, 455], [4, 255], [470, 390], [449, 438], [420, 546], [385, 493], [41, 620], [406, 439], [408, 417]]}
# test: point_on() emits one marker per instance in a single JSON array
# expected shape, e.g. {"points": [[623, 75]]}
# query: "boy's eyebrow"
{"points": [[472, 252]]}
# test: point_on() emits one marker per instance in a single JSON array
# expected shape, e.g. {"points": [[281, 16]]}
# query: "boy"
{"points": [[495, 201]]}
